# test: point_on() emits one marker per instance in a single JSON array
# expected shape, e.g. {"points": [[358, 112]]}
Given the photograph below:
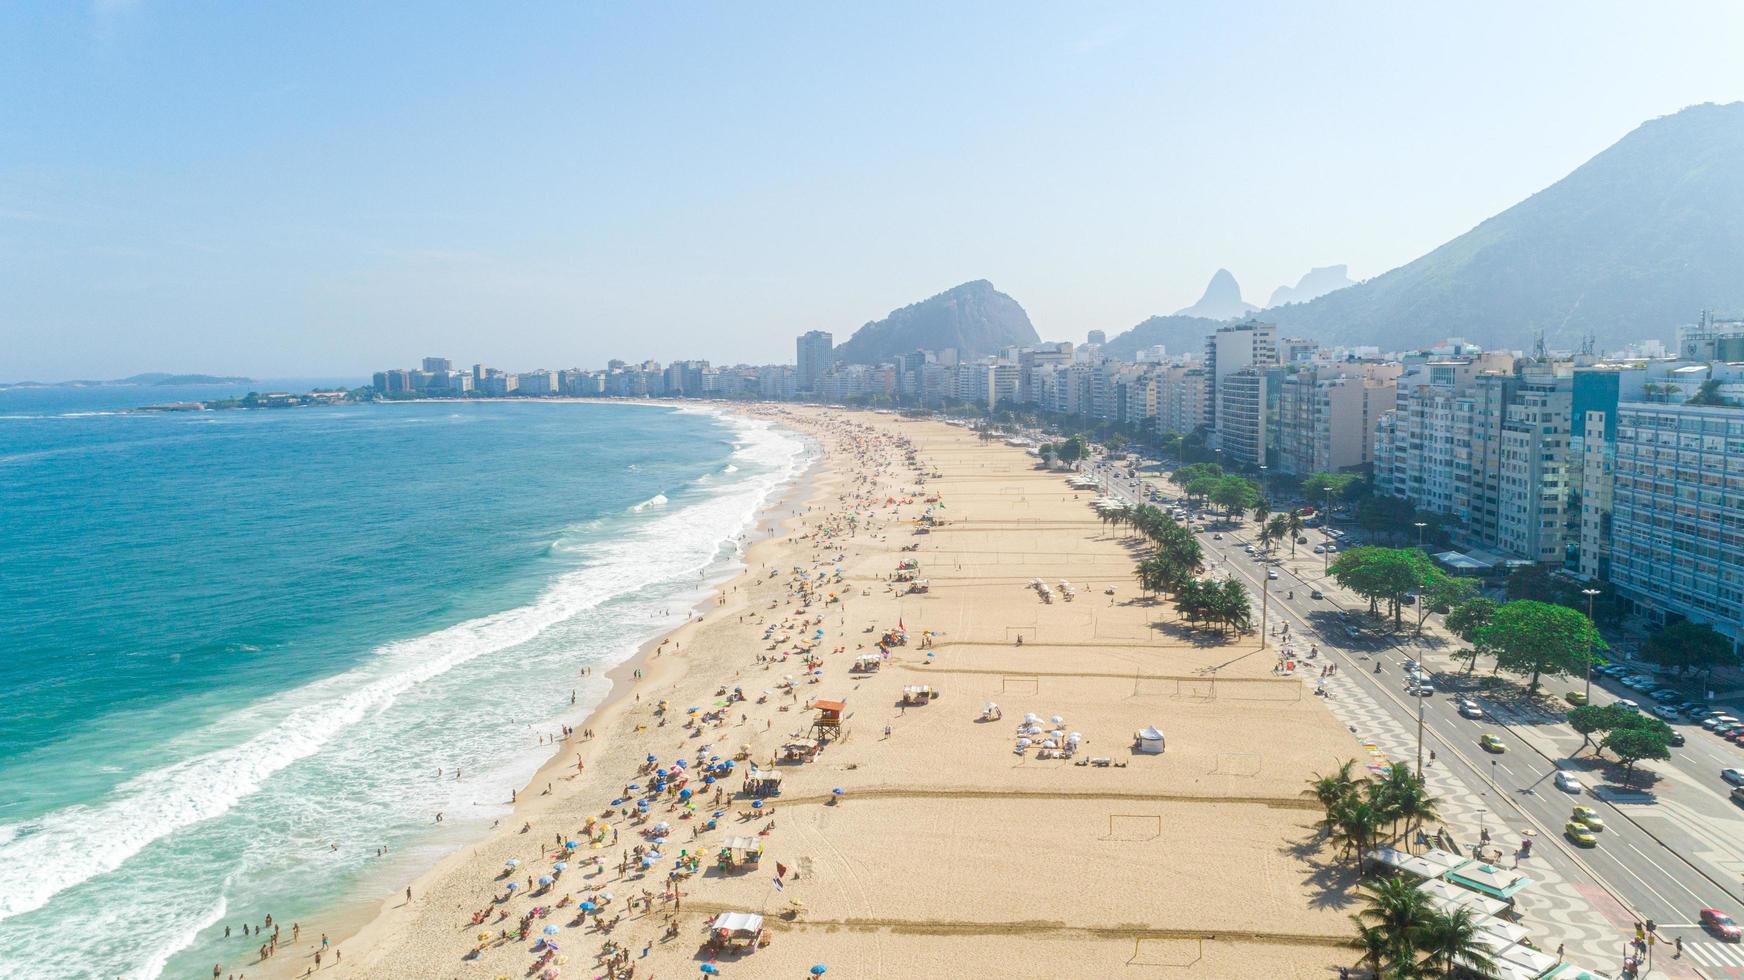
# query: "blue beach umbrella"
{"points": [[561, 865], [708, 780], [756, 804], [819, 970], [588, 906], [512, 863], [570, 845], [839, 791], [650, 758], [546, 879], [513, 886], [710, 969], [550, 930]]}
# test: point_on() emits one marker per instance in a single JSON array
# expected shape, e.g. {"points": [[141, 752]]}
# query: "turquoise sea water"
{"points": [[230, 641]]}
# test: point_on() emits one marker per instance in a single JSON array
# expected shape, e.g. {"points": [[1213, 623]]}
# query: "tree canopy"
{"points": [[1684, 646], [1537, 638], [1384, 575]]}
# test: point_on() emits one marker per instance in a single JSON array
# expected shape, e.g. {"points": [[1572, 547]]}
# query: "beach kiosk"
{"points": [[1148, 741], [866, 663], [828, 723], [763, 782], [917, 694], [741, 930], [741, 852]]}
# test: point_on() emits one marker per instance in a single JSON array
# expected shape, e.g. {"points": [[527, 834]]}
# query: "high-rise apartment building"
{"points": [[1237, 415], [816, 354]]}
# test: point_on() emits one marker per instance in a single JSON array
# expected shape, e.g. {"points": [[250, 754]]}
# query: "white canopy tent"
{"points": [[1149, 740]]}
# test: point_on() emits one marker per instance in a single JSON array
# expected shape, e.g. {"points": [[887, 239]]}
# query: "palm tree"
{"points": [[1266, 537], [1376, 944], [1358, 820], [1450, 942], [1293, 522], [1400, 912], [1334, 788], [1404, 798], [1261, 511]]}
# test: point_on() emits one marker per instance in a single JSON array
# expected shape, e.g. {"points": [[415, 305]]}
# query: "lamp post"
{"points": [[1325, 529], [1420, 526], [1589, 593], [1265, 596], [1265, 483], [1419, 697]]}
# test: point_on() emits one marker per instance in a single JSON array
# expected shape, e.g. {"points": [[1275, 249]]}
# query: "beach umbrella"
{"points": [[708, 780], [571, 845], [588, 906], [1031, 717], [605, 896], [1057, 720], [513, 886], [661, 773], [550, 973], [636, 785], [819, 970], [651, 759], [756, 804], [546, 879], [684, 794], [719, 814], [662, 827], [654, 855], [561, 865], [512, 863], [550, 930], [710, 969]]}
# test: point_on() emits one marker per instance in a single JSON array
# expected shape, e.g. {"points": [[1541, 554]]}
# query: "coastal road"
{"points": [[1665, 875]]}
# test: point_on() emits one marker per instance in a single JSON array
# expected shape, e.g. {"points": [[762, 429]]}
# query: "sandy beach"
{"points": [[917, 841]]}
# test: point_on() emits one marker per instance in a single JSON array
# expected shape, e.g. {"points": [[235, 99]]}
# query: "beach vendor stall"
{"points": [[1148, 741], [735, 930], [867, 663], [763, 782], [917, 694], [800, 750], [741, 852]]}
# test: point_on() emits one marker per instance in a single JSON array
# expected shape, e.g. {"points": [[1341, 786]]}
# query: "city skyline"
{"points": [[181, 196]]}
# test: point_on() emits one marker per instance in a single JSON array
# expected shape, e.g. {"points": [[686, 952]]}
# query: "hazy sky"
{"points": [[330, 188]]}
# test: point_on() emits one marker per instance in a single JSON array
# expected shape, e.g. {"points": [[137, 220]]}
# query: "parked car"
{"points": [[1721, 925], [1319, 550], [1631, 705], [1568, 782], [1667, 712]]}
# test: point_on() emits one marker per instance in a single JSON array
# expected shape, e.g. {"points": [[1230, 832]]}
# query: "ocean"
{"points": [[236, 647]]}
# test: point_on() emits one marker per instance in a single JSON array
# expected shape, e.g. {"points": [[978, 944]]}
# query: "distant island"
{"points": [[157, 379]]}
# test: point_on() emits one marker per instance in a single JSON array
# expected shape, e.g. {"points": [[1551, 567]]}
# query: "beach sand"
{"points": [[946, 853]]}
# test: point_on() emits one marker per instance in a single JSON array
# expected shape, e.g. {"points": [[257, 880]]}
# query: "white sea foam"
{"points": [[658, 500], [159, 958], [47, 855]]}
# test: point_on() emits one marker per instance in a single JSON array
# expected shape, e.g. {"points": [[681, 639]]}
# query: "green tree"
{"points": [[1440, 593], [1537, 638], [1072, 450], [1596, 719], [1234, 494], [1470, 615], [1684, 646], [1294, 526], [1333, 788], [1262, 509], [1383, 575], [1632, 745]]}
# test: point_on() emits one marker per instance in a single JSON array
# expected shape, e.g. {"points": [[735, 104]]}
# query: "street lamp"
{"points": [[1265, 594], [1265, 484], [1589, 593], [1420, 526]]}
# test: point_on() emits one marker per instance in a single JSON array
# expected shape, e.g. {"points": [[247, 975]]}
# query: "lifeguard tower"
{"points": [[828, 723]]}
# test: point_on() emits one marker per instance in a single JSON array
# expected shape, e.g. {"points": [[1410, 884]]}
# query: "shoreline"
{"points": [[363, 922]]}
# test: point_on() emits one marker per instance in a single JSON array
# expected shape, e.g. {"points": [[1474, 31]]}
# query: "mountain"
{"points": [[1317, 283], [152, 378], [1178, 334], [1640, 238], [974, 318], [1222, 300]]}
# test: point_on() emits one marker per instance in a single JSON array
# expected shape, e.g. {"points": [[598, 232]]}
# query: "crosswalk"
{"points": [[1727, 957]]}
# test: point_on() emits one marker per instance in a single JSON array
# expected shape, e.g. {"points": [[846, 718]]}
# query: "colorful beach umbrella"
{"points": [[550, 930]]}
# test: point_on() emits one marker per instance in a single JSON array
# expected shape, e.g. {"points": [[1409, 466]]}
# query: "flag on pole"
{"points": [[780, 871]]}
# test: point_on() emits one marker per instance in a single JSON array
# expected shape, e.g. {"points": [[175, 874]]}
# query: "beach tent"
{"points": [[1533, 962], [746, 850], [1148, 740], [918, 694], [737, 927]]}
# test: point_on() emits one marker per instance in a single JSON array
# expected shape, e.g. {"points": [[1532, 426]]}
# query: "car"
{"points": [[1665, 694], [1272, 574], [1319, 550], [1215, 537], [1666, 711], [1589, 816], [1711, 722], [1469, 709], [1422, 689], [1408, 599], [1575, 698], [1675, 738], [1579, 835], [1721, 925], [1492, 744], [1332, 549], [1631, 705], [1733, 776], [1568, 782], [1316, 594]]}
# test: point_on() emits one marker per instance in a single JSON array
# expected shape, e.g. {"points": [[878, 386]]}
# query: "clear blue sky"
{"points": [[294, 188]]}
